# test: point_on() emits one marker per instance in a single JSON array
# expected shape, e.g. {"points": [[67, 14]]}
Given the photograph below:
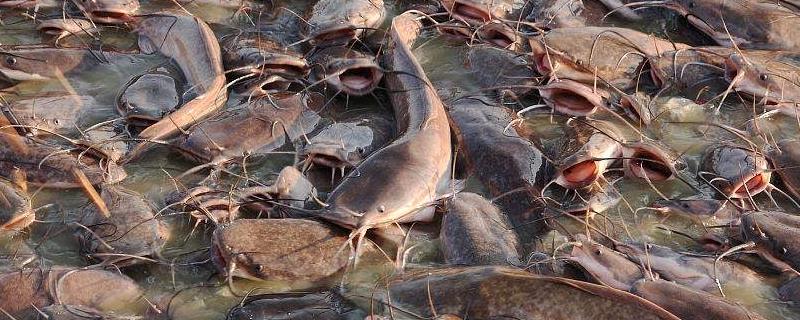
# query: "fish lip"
{"points": [[564, 95], [637, 168], [468, 11], [354, 76], [564, 181], [500, 34], [740, 189], [13, 76], [287, 66], [456, 29], [111, 16], [629, 106], [329, 155], [334, 33], [269, 85]]}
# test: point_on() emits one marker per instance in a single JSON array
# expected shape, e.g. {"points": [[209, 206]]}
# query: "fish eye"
{"points": [[381, 209], [11, 60], [360, 150], [763, 77], [579, 62], [259, 268], [599, 252]]}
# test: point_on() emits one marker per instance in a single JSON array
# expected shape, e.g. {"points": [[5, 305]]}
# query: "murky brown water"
{"points": [[185, 271]]}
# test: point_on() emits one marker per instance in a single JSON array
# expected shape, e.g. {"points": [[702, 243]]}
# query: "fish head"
{"points": [[500, 34], [735, 171], [349, 71], [148, 98], [59, 27], [572, 97], [109, 11], [651, 160], [604, 264], [773, 83], [256, 54], [16, 67], [636, 107], [340, 145], [335, 22], [477, 12], [583, 167]]}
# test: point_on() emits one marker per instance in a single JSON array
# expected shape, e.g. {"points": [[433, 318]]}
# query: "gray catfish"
{"points": [[786, 161], [475, 232], [332, 22], [44, 115], [771, 78], [109, 11], [194, 48], [131, 235], [146, 98], [400, 182], [605, 265], [588, 149], [346, 70], [735, 171], [775, 233]]}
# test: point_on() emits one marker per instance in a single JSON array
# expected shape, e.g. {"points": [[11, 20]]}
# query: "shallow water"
{"points": [[186, 277]]}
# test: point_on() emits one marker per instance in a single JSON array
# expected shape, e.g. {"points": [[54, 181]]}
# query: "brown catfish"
{"points": [[603, 56], [573, 98], [688, 67], [501, 292], [318, 306], [131, 235], [278, 249], [400, 182], [475, 232], [333, 22], [61, 28], [751, 24], [27, 290], [192, 45], [775, 233], [552, 14], [50, 167], [786, 161], [258, 127], [735, 171], [651, 160], [690, 304], [501, 69], [483, 142], [771, 78]]}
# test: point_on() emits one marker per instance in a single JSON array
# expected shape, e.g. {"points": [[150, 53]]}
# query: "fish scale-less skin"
{"points": [[786, 161], [776, 232], [483, 144], [279, 249], [474, 232], [403, 179], [691, 304], [501, 292]]}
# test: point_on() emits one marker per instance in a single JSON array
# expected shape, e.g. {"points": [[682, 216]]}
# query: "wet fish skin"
{"points": [[774, 232], [194, 48], [334, 22], [605, 265], [475, 232], [253, 128], [738, 172], [690, 304], [786, 161], [501, 292], [399, 182], [147, 98], [16, 212]]}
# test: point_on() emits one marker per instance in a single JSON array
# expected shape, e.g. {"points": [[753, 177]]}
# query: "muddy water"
{"points": [[186, 278]]}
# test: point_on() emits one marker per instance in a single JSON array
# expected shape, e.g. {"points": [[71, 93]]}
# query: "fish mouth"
{"points": [[329, 156], [750, 185], [579, 175], [571, 98], [457, 30], [647, 164], [13, 76], [500, 35], [270, 85], [358, 78], [337, 34], [18, 222], [287, 66], [634, 109], [111, 15], [52, 30], [544, 65], [469, 11]]}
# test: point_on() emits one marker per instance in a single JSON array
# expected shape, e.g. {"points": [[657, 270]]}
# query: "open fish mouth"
{"points": [[648, 163], [455, 29], [749, 185], [358, 78], [572, 98], [579, 175], [500, 35], [270, 84], [287, 66], [328, 156], [468, 11]]}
